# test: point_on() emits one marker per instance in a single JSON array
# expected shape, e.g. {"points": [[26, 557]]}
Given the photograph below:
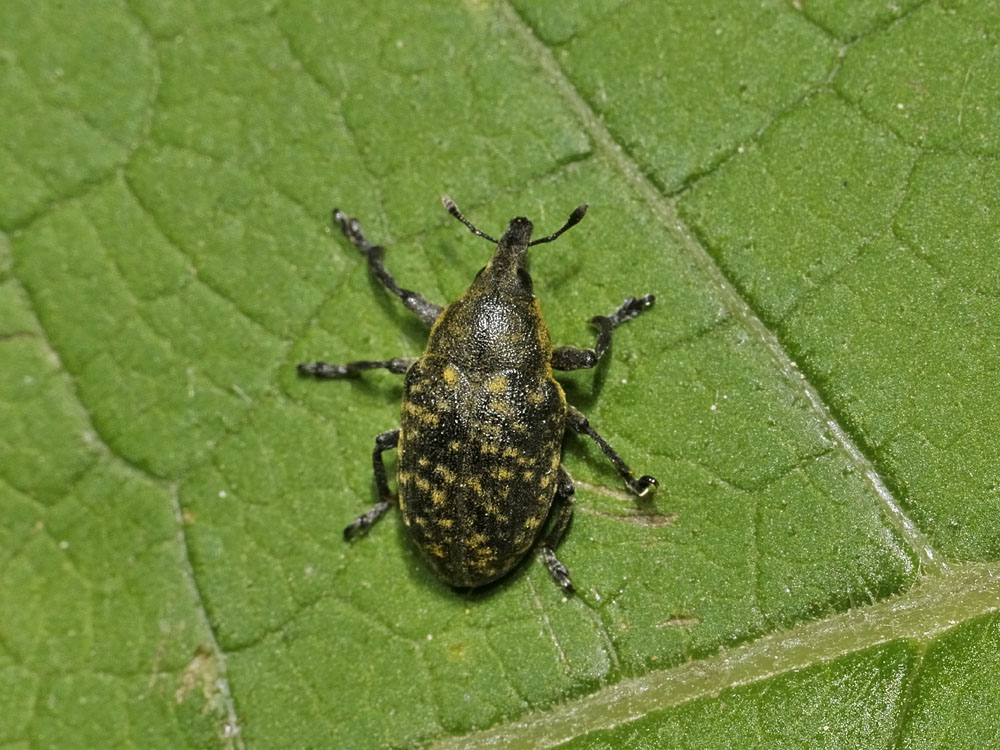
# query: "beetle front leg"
{"points": [[386, 441], [640, 486], [325, 371], [427, 311], [564, 497], [574, 358]]}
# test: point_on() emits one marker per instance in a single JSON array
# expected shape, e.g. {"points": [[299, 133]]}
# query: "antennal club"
{"points": [[451, 208], [574, 218]]}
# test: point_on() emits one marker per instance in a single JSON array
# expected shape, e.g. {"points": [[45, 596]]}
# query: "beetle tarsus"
{"points": [[558, 571], [573, 358], [365, 521], [326, 371], [643, 486]]}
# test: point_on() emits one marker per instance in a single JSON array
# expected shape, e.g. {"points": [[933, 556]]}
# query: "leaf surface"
{"points": [[810, 190]]}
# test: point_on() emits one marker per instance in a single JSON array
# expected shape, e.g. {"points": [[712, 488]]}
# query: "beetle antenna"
{"points": [[574, 218], [451, 208]]}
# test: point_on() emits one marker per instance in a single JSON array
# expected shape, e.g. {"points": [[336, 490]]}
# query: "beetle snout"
{"points": [[518, 231]]}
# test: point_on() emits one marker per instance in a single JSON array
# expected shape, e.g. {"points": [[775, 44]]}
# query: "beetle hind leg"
{"points": [[564, 497], [384, 442]]}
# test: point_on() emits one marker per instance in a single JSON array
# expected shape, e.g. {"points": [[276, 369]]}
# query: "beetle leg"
{"points": [[325, 371], [427, 311], [574, 358], [640, 486], [386, 441], [564, 496]]}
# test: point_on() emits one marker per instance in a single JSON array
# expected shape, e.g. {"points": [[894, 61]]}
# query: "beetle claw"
{"points": [[644, 486]]}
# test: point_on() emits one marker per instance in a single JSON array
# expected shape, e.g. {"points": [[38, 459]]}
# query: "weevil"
{"points": [[480, 441]]}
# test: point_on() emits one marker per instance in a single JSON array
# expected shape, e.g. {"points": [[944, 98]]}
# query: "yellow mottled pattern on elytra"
{"points": [[501, 407], [445, 473], [482, 422], [498, 384], [535, 396], [422, 415], [472, 471]]}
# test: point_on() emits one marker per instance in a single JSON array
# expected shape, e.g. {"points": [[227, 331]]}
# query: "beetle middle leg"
{"points": [[427, 311], [384, 442], [640, 486], [574, 358], [564, 497]]}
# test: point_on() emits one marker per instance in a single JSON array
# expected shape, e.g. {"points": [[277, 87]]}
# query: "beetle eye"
{"points": [[525, 278]]}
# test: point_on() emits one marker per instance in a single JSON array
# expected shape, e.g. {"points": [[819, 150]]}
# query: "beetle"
{"points": [[482, 419]]}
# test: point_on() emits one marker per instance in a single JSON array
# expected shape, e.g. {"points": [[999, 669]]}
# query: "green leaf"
{"points": [[809, 189]]}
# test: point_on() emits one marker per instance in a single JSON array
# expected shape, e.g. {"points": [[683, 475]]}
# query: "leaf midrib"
{"points": [[933, 606]]}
